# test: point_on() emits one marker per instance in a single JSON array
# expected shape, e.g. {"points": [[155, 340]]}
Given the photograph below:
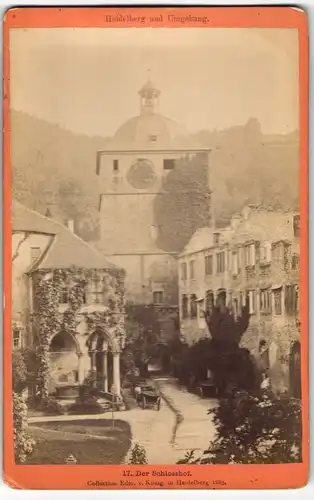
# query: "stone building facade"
{"points": [[257, 256], [131, 171], [67, 303]]}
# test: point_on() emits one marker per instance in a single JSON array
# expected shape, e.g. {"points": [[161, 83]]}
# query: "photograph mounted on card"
{"points": [[156, 248]]}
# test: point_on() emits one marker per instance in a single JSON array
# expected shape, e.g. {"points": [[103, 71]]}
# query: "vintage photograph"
{"points": [[155, 246]]}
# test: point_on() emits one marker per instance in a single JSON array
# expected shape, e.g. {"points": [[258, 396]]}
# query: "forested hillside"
{"points": [[54, 168]]}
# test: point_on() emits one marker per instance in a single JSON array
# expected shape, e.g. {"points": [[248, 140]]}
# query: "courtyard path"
{"points": [[197, 429], [154, 429]]}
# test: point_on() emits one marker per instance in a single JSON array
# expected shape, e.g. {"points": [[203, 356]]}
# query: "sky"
{"points": [[87, 79]]}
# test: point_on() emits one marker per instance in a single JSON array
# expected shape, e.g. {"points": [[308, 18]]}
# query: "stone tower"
{"points": [[131, 171]]}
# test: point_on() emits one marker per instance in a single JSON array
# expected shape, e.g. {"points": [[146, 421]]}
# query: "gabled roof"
{"points": [[66, 249]]}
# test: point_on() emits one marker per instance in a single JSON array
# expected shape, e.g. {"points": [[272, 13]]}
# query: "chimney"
{"points": [[70, 225], [235, 221]]}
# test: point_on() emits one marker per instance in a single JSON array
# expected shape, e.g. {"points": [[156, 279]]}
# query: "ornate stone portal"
{"points": [[105, 362]]}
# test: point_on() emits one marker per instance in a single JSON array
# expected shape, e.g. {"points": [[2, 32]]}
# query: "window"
{"points": [[265, 301], [97, 290], [153, 138], [184, 271], [185, 306], [192, 270], [35, 254], [295, 263], [296, 226], [278, 251], [17, 337], [235, 263], [115, 165], [252, 301], [265, 253], [169, 164], [216, 238], [208, 264], [277, 301], [158, 297], [220, 262], [249, 255], [291, 299], [64, 294], [193, 306]]}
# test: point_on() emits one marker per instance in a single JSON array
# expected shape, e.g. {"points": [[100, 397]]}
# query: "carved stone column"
{"points": [[80, 368], [93, 366], [116, 372], [105, 371]]}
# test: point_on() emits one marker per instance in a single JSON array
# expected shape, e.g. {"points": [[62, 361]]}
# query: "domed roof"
{"points": [[150, 127], [151, 130]]}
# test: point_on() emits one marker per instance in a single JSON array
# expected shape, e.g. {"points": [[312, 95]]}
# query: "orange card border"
{"points": [[53, 477]]}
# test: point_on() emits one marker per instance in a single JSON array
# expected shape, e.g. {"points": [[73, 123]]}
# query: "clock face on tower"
{"points": [[141, 174]]}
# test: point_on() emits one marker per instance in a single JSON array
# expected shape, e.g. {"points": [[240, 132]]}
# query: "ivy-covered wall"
{"points": [[80, 317], [185, 203]]}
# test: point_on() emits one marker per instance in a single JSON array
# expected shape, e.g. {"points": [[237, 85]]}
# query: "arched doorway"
{"points": [[295, 370], [64, 360]]}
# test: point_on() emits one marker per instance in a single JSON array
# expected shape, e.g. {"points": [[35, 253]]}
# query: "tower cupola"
{"points": [[149, 96]]}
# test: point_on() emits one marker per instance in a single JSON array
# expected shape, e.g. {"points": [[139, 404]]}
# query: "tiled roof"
{"points": [[66, 249]]}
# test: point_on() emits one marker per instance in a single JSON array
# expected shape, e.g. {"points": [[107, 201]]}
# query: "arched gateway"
{"points": [[73, 361], [105, 360]]}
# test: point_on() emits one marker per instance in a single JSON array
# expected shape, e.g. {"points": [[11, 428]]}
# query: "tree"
{"points": [[225, 328], [78, 205], [231, 366], [19, 372], [184, 204], [138, 455], [23, 442], [255, 428], [142, 335]]}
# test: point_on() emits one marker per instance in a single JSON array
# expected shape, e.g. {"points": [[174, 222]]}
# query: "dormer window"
{"points": [[153, 138], [115, 165], [216, 238]]}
